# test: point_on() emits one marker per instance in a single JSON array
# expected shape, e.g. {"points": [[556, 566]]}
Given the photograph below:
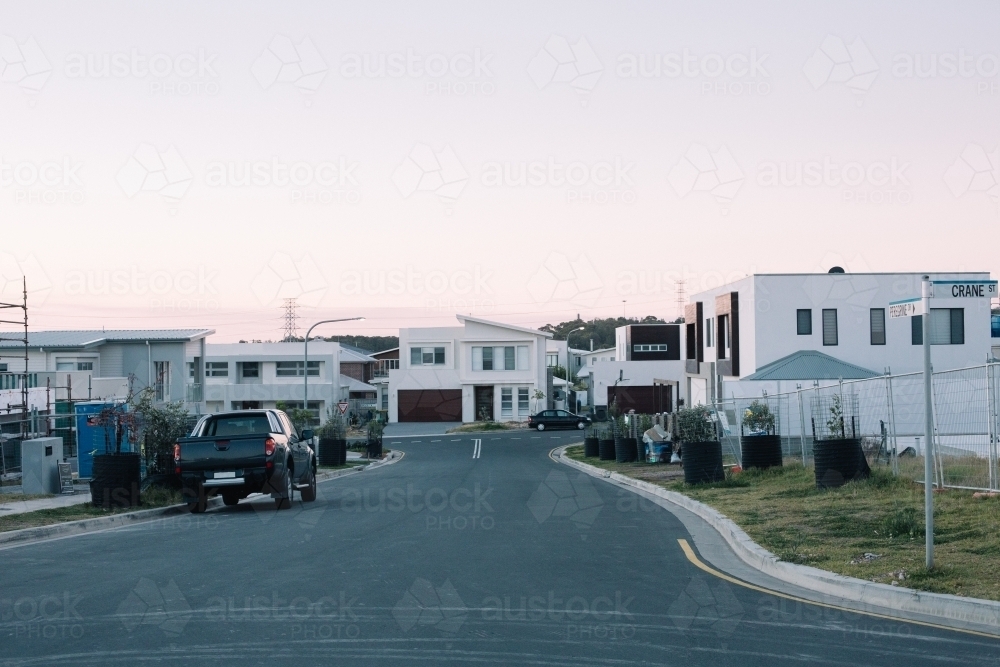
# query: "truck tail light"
{"points": [[177, 459], [269, 446]]}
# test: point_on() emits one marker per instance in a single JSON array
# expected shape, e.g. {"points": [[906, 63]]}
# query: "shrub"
{"points": [[758, 418], [903, 522], [696, 425]]}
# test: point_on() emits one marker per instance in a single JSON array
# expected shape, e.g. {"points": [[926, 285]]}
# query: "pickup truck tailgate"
{"points": [[222, 453]]}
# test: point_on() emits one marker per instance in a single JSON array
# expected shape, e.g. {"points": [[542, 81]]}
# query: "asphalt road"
{"points": [[458, 554]]}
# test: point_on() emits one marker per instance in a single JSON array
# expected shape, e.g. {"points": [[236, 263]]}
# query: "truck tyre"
{"points": [[309, 493], [230, 498], [284, 501]]}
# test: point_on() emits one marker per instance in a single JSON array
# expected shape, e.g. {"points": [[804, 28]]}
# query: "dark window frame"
{"points": [[804, 330], [836, 328], [874, 313]]}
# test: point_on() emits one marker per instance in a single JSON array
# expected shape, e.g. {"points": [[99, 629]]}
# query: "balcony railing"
{"points": [[193, 393], [383, 367]]}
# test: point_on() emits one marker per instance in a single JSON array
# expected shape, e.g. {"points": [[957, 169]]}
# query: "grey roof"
{"points": [[810, 365], [90, 338]]}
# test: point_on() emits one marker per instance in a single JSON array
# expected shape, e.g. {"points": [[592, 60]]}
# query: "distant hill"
{"points": [[367, 343], [601, 330]]}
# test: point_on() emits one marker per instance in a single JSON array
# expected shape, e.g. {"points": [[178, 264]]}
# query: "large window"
{"points": [[523, 407], [830, 327], [506, 358], [506, 403], [217, 369], [161, 380], [251, 369], [426, 356], [551, 360], [877, 318], [284, 369], [723, 351], [709, 333], [947, 327], [652, 347], [804, 321], [314, 409]]}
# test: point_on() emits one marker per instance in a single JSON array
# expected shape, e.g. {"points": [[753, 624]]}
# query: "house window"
{"points": [[509, 359], [830, 326], [709, 333], [284, 369], [877, 318], [506, 403], [161, 381], [523, 408], [251, 369], [190, 366], [723, 351], [85, 365], [217, 369], [522, 358], [385, 399], [487, 358], [947, 327], [3, 368], [426, 356], [551, 360], [313, 409], [804, 321], [657, 347], [499, 358]]}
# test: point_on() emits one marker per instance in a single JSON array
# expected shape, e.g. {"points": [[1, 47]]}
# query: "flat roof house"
{"points": [[769, 331], [479, 370]]}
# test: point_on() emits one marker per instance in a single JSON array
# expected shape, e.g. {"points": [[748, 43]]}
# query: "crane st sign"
{"points": [[965, 289], [906, 308]]}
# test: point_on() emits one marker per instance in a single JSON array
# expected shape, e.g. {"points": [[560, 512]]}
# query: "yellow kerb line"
{"points": [[693, 557]]}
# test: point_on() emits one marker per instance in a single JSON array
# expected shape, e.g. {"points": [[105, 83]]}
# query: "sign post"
{"points": [[925, 293]]}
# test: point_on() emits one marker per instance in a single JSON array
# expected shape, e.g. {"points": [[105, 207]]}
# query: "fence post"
{"points": [[802, 426], [991, 408], [892, 421]]}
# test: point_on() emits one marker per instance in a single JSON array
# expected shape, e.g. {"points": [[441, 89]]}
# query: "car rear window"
{"points": [[237, 425]]}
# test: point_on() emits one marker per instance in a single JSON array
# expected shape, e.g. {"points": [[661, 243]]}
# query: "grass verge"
{"points": [[151, 499], [871, 529], [475, 427]]}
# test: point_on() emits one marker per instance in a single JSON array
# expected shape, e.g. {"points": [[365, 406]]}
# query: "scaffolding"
{"points": [[23, 381]]}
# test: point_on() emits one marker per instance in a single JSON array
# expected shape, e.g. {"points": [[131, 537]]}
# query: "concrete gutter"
{"points": [[94, 524], [948, 610]]}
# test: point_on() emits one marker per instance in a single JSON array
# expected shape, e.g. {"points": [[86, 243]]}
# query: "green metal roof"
{"points": [[810, 365]]}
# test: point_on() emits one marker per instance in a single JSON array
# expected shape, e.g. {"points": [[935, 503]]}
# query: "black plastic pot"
{"points": [[702, 462], [606, 449], [626, 450], [838, 462], [115, 480], [591, 447], [375, 448], [761, 451], [329, 454]]}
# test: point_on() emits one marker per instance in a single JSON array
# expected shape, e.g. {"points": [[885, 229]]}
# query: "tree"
{"points": [[602, 331], [161, 426], [300, 418], [537, 396]]}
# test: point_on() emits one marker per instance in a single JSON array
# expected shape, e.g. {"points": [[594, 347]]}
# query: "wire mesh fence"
{"points": [[886, 414]]}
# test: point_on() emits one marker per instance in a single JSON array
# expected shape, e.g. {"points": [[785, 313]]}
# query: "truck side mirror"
{"points": [[307, 434]]}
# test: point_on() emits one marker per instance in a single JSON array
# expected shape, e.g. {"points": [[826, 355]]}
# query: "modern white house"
{"points": [[247, 376], [770, 331], [479, 370]]}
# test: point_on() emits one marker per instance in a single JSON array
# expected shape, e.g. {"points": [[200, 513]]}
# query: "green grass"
{"points": [[18, 497], [151, 498], [784, 512]]}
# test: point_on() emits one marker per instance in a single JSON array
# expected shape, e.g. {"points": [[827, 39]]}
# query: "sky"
{"points": [[185, 164]]}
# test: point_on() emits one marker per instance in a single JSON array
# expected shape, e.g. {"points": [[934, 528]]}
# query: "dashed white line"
{"points": [[435, 441]]}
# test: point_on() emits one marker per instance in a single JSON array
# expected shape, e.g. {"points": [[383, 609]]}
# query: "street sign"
{"points": [[906, 308], [342, 406], [965, 289]]}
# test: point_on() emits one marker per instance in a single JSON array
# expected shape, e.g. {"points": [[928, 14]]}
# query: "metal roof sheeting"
{"points": [[89, 338], [810, 365]]}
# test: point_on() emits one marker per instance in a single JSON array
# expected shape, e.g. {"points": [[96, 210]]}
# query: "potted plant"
{"points": [[625, 447], [332, 440], [591, 447], [837, 454], [375, 431], [160, 427], [759, 443], [701, 451]]}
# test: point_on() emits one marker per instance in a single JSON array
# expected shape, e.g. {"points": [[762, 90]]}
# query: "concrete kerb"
{"points": [[94, 524], [954, 611]]}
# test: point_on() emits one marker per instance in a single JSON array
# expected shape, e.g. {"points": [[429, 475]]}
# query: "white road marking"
{"points": [[477, 448], [435, 441]]}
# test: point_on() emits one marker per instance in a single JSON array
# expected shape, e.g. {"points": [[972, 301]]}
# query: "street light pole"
{"points": [[569, 372], [305, 370], [928, 427]]}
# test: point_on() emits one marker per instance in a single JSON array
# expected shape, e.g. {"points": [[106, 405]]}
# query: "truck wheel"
{"points": [[230, 499], [285, 501], [309, 493]]}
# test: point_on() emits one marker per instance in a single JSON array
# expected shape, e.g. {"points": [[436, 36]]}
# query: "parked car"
{"points": [[557, 419], [243, 452]]}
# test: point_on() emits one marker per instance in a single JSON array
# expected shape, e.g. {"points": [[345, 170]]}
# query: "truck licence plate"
{"points": [[225, 475]]}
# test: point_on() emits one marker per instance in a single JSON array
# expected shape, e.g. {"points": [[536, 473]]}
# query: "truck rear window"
{"points": [[236, 425]]}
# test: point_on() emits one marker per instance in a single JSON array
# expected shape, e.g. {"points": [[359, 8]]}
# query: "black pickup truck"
{"points": [[244, 452]]}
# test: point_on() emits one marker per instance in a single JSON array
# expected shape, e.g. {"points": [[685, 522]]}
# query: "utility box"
{"points": [[40, 465]]}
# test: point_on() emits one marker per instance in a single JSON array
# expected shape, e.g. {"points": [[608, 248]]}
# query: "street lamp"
{"points": [[568, 359], [305, 370]]}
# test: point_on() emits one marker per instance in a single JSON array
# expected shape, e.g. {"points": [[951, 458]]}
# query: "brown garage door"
{"points": [[430, 405]]}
